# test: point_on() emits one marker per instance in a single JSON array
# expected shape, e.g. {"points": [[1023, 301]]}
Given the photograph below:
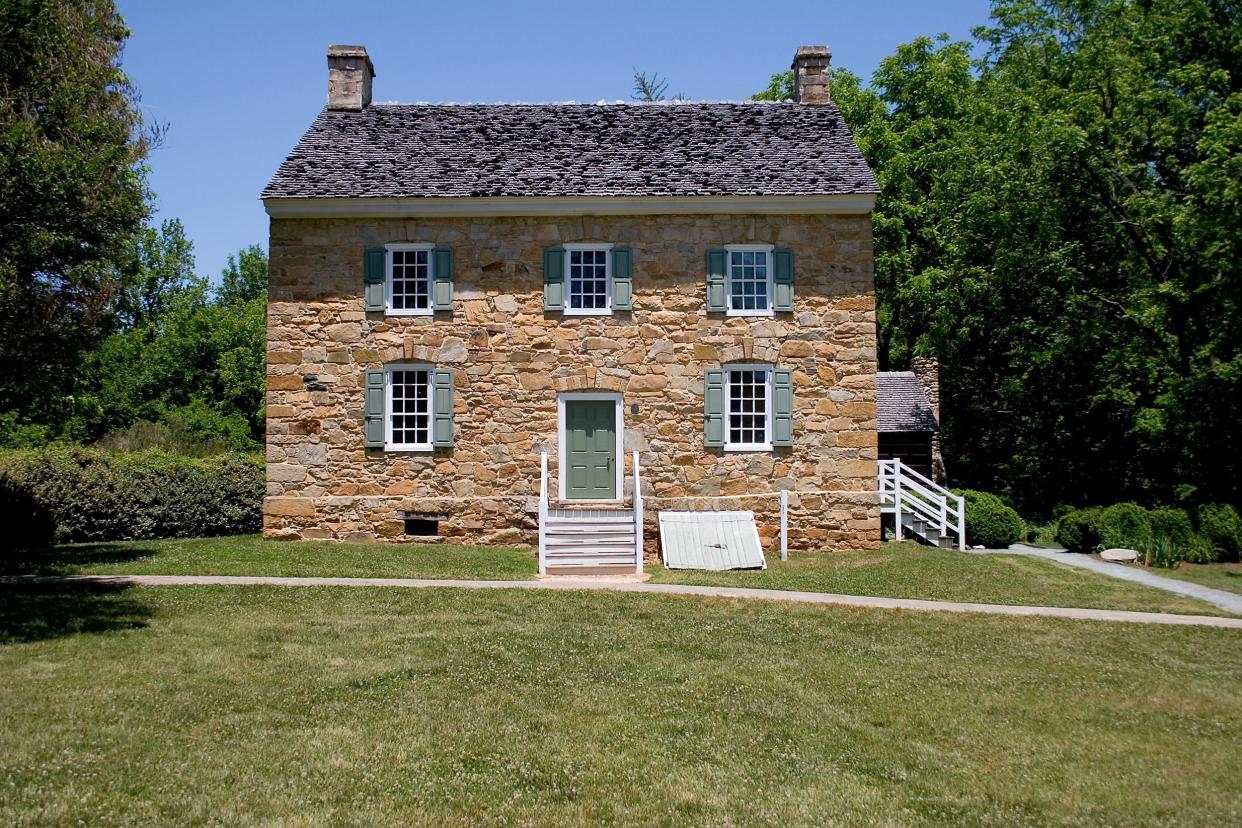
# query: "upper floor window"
{"points": [[410, 276], [749, 279], [589, 276]]}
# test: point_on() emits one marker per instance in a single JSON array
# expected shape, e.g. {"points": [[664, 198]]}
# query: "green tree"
{"points": [[245, 276], [1058, 223], [780, 88], [71, 191], [159, 268]]}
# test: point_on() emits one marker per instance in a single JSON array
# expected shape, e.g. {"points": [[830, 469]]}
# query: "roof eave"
{"points": [[320, 207]]}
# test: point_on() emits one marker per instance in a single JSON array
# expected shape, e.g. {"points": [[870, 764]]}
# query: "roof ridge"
{"points": [[600, 102]]}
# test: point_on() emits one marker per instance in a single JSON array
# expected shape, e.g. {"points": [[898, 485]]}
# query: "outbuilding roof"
{"points": [[615, 149], [901, 403]]}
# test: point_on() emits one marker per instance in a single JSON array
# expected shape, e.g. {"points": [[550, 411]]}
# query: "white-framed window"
{"points": [[407, 407], [748, 279], [410, 271], [588, 279], [748, 407]]}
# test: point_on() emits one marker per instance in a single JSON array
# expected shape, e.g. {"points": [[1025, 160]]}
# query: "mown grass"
{"points": [[896, 570], [252, 555], [1227, 576], [372, 706], [908, 570]]}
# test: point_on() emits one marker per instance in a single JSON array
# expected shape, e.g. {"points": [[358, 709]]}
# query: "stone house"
{"points": [[456, 290]]}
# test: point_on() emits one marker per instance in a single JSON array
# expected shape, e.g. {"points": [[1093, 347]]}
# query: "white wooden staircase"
{"points": [[584, 540], [921, 508]]}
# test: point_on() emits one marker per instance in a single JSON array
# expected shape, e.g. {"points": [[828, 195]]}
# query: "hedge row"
{"points": [[63, 494], [1163, 537]]}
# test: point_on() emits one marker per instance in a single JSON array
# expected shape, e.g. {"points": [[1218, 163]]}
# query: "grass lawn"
{"points": [[908, 570], [252, 555], [896, 570], [327, 706], [1227, 576]]}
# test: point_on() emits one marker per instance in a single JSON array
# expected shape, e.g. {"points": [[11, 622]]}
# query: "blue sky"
{"points": [[238, 82]]}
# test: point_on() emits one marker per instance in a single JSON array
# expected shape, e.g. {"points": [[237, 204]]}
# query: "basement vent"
{"points": [[421, 524]]}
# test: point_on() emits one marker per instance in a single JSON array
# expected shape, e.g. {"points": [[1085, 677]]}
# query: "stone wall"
{"points": [[512, 359]]}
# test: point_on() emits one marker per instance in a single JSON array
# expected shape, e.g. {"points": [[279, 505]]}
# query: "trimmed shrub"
{"points": [[989, 522], [1221, 526], [1081, 530], [1125, 525], [1172, 523], [95, 495]]}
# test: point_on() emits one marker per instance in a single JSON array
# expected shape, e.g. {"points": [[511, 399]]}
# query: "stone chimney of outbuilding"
{"points": [[810, 68], [349, 78], [927, 372]]}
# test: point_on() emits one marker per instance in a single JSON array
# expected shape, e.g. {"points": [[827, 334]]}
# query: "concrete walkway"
{"points": [[1228, 601], [630, 585]]}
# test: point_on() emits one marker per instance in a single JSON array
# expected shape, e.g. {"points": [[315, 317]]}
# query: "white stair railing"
{"points": [[905, 491], [543, 513], [638, 519]]}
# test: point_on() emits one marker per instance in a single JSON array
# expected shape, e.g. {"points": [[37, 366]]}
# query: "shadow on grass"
{"points": [[36, 612], [64, 559]]}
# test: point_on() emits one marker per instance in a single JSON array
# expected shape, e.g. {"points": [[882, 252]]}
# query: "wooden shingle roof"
{"points": [[901, 403], [499, 150]]}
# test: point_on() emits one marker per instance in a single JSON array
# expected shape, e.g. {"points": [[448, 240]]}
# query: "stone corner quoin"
{"points": [[511, 359]]}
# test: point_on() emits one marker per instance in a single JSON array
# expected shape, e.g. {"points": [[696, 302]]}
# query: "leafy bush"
{"points": [[1081, 530], [1221, 526], [1125, 525], [989, 522], [1173, 524], [94, 495]]}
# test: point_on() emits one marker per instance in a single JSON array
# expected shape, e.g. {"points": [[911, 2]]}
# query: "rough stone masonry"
{"points": [[511, 359]]}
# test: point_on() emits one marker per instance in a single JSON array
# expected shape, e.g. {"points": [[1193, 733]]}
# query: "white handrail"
{"points": [[906, 490], [543, 512], [638, 519]]}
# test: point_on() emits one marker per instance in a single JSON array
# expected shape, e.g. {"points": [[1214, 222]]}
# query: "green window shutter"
{"points": [[716, 264], [441, 407], [374, 276], [442, 285], [554, 278], [782, 280], [373, 410], [782, 407], [622, 283], [713, 407]]}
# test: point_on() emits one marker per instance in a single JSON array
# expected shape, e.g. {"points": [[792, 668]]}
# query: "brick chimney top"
{"points": [[810, 68], [349, 78]]}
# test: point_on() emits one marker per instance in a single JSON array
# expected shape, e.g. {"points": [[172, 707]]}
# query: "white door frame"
{"points": [[560, 438]]}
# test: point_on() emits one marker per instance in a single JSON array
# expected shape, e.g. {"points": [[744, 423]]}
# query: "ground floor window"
{"points": [[749, 395], [409, 407]]}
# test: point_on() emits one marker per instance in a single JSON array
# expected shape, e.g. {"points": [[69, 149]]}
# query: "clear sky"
{"points": [[238, 82]]}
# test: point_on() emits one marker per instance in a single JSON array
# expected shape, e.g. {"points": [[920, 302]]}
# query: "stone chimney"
{"points": [[927, 372], [349, 78], [810, 68]]}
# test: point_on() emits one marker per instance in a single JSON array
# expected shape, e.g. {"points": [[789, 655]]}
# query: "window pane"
{"points": [[748, 415], [411, 280], [588, 279], [411, 406], [748, 281]]}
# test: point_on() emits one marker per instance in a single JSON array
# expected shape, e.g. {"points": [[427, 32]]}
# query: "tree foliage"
{"points": [[1058, 224], [195, 364], [71, 190]]}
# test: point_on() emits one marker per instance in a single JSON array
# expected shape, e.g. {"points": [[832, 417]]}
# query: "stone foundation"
{"points": [[512, 360]]}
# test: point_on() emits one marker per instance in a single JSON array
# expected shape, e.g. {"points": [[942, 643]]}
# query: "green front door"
{"points": [[590, 449]]}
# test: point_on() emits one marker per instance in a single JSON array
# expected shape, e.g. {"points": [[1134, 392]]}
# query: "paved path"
{"points": [[1228, 601], [631, 585]]}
